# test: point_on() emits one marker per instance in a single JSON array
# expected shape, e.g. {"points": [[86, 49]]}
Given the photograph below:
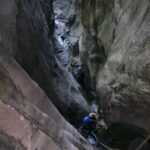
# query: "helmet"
{"points": [[93, 114], [86, 119]]}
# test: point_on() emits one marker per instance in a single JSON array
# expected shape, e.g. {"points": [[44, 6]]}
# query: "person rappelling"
{"points": [[89, 126]]}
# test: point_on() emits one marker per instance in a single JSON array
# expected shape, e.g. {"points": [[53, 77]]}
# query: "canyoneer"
{"points": [[89, 126]]}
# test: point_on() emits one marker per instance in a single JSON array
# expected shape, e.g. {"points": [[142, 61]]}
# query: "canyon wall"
{"points": [[115, 44], [26, 34], [29, 118]]}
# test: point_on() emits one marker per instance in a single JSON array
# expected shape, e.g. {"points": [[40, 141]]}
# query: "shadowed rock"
{"points": [[29, 120], [115, 46], [25, 35]]}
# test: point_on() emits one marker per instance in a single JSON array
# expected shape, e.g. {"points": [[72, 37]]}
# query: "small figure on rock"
{"points": [[89, 125]]}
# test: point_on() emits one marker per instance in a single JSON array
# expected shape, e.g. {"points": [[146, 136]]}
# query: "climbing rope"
{"points": [[95, 138], [105, 146], [143, 143]]}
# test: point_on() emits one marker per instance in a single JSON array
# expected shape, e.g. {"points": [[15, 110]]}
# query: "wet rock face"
{"points": [[116, 47]]}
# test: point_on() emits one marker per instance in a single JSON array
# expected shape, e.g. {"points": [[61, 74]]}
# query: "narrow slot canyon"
{"points": [[74, 75]]}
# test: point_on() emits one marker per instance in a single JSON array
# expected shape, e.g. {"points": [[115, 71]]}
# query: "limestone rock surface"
{"points": [[29, 119], [116, 46], [27, 35]]}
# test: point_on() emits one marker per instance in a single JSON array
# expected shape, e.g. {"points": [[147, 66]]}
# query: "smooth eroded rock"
{"points": [[116, 47]]}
